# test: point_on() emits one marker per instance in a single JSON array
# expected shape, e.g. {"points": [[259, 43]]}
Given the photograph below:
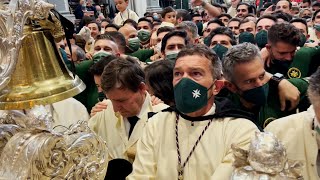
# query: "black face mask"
{"points": [[282, 64], [101, 96]]}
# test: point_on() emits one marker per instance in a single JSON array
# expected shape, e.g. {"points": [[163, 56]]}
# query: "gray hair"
{"points": [[81, 55], [206, 52], [189, 26], [239, 54], [314, 88]]}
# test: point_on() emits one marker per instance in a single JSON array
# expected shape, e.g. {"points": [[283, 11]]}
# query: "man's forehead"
{"points": [[265, 21], [243, 6], [247, 24], [283, 2], [127, 29]]}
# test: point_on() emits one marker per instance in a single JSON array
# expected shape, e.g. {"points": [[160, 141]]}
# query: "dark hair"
{"points": [[272, 18], [306, 1], [166, 10], [97, 68], [259, 11], [223, 31], [250, 8], [315, 14], [164, 29], [314, 87], [184, 14], [196, 15], [181, 34], [282, 15], [234, 19], [267, 4], [122, 73], [95, 22], [206, 52], [224, 8], [146, 20], [316, 3], [224, 14], [105, 36], [159, 76], [113, 26], [147, 14], [79, 41], [106, 20], [300, 20], [215, 20], [119, 39], [131, 22], [245, 21], [284, 32]]}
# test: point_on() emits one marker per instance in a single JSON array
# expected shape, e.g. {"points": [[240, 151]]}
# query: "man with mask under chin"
{"points": [[193, 139], [256, 91], [281, 54], [133, 43]]}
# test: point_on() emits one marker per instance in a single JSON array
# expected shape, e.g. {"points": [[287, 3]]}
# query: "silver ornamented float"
{"points": [[266, 159], [33, 76]]}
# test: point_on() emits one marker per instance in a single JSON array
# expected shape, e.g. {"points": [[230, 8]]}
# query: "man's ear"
{"points": [[268, 46], [230, 86], [143, 87], [308, 36], [179, 20], [218, 85]]}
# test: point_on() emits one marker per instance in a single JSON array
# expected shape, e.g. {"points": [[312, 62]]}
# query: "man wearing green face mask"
{"points": [[133, 43], [282, 55], [208, 124], [262, 26], [221, 39], [254, 90], [247, 31], [144, 32], [172, 43], [103, 47]]}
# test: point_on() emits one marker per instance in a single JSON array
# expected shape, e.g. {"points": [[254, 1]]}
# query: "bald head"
{"points": [[128, 32]]}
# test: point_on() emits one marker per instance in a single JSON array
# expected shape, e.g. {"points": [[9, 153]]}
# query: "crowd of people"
{"points": [[170, 92]]}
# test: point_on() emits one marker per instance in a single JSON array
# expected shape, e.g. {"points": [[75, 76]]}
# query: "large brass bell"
{"points": [[40, 76]]}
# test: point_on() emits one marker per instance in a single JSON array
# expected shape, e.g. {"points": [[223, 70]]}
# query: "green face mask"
{"points": [[246, 37], [99, 55], [200, 28], [303, 40], [220, 50], [144, 35], [206, 41], [317, 27], [171, 56], [262, 38], [258, 95], [134, 44], [190, 96]]}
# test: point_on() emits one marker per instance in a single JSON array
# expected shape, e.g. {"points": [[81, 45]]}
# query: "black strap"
{"points": [[133, 121]]}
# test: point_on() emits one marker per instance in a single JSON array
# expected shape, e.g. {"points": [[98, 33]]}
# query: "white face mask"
{"points": [[158, 47], [103, 30], [172, 52], [102, 51]]}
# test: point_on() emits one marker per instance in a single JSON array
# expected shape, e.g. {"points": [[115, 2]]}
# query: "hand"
{"points": [[156, 57], [89, 56], [265, 55], [268, 10], [154, 38], [234, 3], [288, 92], [100, 106], [196, 2], [155, 100]]}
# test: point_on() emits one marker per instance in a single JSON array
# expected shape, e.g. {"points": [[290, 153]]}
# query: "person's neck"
{"points": [[202, 111], [124, 10], [247, 104]]}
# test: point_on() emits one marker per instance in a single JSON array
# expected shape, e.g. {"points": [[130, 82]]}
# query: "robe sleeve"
{"points": [[144, 165], [240, 133]]}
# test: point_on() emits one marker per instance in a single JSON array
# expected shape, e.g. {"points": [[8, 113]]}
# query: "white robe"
{"points": [[157, 157]]}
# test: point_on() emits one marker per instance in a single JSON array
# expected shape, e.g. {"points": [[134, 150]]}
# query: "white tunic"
{"points": [[157, 157], [121, 17]]}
